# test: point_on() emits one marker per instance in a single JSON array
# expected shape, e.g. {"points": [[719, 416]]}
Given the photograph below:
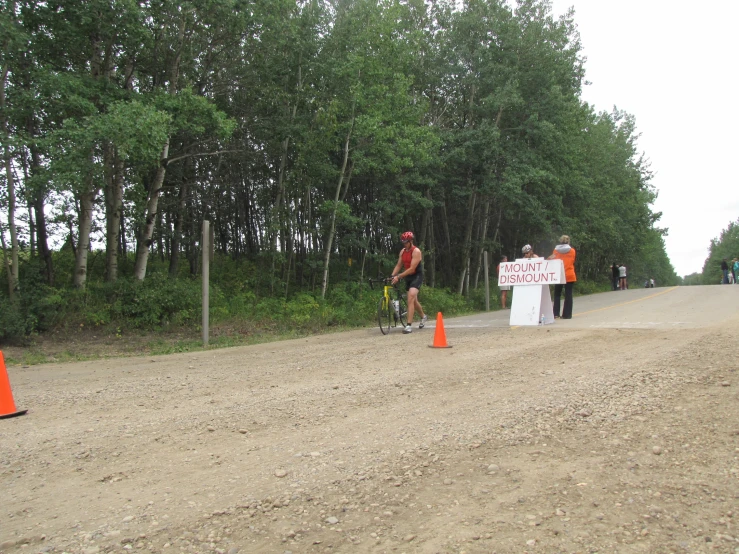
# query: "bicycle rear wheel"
{"points": [[384, 315]]}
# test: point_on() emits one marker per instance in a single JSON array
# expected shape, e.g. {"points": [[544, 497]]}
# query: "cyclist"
{"points": [[410, 260]]}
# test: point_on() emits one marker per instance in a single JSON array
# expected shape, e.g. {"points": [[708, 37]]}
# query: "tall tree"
{"points": [[314, 131], [13, 44], [723, 247]]}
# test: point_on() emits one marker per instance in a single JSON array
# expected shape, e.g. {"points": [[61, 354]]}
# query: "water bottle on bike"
{"points": [[396, 307]]}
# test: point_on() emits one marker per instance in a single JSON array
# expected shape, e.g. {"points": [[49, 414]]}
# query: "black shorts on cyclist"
{"points": [[414, 281]]}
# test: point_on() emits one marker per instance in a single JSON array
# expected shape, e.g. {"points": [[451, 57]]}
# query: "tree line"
{"points": [[310, 133], [725, 247]]}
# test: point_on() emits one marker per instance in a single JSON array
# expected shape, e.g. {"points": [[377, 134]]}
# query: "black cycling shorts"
{"points": [[414, 281]]}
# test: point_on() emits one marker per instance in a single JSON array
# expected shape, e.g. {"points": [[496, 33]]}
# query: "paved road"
{"points": [[657, 308]]}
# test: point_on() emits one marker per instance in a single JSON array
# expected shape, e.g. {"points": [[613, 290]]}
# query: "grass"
{"points": [[85, 344], [78, 342]]}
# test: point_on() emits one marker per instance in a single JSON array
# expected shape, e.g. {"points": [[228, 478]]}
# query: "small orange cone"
{"points": [[7, 406], [439, 334]]}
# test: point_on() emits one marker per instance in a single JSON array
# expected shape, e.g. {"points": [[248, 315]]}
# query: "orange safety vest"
{"points": [[569, 262]]}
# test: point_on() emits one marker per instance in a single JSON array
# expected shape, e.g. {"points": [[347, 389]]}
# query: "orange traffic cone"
{"points": [[439, 334], [7, 406]]}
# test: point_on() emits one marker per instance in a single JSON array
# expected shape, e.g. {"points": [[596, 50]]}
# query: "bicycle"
{"points": [[390, 311]]}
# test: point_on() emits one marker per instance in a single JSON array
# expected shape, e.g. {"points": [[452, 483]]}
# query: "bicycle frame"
{"points": [[386, 293], [390, 311]]}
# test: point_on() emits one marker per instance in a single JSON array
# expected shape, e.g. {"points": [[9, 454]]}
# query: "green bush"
{"points": [[232, 276], [477, 298], [15, 322], [302, 310], [269, 309], [154, 302], [36, 307], [590, 287], [350, 303], [246, 291], [242, 305], [436, 300]]}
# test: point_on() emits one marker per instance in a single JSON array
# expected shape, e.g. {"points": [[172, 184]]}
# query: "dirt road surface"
{"points": [[616, 431]]}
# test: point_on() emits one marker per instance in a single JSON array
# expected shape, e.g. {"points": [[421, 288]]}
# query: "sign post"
{"points": [[487, 281], [532, 303], [207, 246]]}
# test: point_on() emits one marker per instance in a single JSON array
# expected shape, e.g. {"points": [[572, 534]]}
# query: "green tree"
{"points": [[724, 247]]}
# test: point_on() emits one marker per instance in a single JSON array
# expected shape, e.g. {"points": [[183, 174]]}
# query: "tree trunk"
{"points": [[72, 245], [87, 203], [42, 242], [430, 269], [31, 229], [332, 229], [160, 236], [309, 217], [113, 207], [100, 66], [467, 245], [192, 251], [10, 182], [122, 241], [144, 242], [348, 180], [497, 225], [425, 220], [174, 258], [13, 276], [448, 266], [38, 196], [483, 234], [7, 262], [277, 215], [290, 256]]}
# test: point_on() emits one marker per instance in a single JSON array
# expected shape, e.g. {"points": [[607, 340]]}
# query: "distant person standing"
{"points": [[651, 283], [622, 277], [725, 271], [735, 268], [505, 288], [563, 251], [614, 276]]}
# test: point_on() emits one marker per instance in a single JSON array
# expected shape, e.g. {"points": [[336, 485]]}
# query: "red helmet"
{"points": [[405, 237]]}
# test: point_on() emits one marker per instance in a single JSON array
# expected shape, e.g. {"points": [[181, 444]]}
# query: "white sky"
{"points": [[675, 67]]}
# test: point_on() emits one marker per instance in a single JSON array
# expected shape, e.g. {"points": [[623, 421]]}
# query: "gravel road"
{"points": [[616, 431]]}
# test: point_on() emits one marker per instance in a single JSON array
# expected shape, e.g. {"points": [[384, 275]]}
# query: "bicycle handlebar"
{"points": [[381, 280]]}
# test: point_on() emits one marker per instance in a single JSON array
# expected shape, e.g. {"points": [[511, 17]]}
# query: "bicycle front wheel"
{"points": [[403, 311], [384, 315]]}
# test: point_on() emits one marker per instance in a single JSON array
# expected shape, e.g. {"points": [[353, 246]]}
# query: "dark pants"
{"points": [[567, 312], [615, 283]]}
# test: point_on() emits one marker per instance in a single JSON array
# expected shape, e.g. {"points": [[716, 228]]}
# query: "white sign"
{"points": [[531, 271], [532, 304]]}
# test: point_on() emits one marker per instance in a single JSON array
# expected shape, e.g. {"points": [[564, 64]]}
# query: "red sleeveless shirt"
{"points": [[407, 257]]}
